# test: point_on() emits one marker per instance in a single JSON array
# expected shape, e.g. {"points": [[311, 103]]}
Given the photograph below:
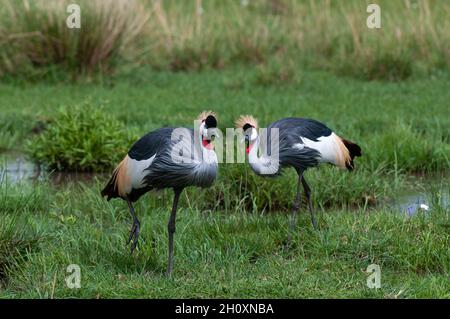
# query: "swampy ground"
{"points": [[229, 239]]}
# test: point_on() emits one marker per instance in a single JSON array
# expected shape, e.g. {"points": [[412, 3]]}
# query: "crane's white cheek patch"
{"points": [[136, 171]]}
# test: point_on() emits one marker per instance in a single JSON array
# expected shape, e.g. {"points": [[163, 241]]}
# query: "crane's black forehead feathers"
{"points": [[247, 126], [210, 122]]}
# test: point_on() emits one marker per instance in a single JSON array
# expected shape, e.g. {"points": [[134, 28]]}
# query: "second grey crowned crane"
{"points": [[166, 158], [301, 144]]}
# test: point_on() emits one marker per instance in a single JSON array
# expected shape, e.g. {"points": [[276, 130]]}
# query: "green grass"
{"points": [[216, 254], [229, 239]]}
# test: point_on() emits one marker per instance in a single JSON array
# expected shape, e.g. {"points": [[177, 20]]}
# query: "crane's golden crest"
{"points": [[202, 116], [246, 119]]}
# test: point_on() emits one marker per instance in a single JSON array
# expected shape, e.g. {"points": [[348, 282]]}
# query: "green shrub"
{"points": [[82, 138]]}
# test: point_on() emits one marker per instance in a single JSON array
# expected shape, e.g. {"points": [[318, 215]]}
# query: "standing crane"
{"points": [[165, 158], [299, 143]]}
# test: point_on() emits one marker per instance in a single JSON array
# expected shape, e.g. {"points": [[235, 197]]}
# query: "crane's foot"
{"points": [[134, 235]]}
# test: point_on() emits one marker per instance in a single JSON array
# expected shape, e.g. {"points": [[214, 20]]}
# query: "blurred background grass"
{"points": [[192, 35]]}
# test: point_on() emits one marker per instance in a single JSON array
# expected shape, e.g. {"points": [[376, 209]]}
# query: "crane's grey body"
{"points": [[165, 158], [292, 131], [190, 168], [289, 142]]}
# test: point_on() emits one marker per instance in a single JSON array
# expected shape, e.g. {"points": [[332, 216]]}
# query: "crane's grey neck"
{"points": [[264, 165]]}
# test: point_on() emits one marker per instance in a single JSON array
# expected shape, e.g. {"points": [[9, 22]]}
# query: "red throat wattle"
{"points": [[207, 144]]}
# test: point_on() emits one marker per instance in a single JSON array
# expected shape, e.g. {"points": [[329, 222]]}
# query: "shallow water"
{"points": [[414, 203], [430, 192], [14, 168]]}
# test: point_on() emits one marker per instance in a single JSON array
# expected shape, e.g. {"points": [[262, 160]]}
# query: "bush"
{"points": [[83, 138]]}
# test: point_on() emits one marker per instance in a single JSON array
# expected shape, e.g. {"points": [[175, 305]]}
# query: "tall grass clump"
{"points": [[83, 138], [34, 34]]}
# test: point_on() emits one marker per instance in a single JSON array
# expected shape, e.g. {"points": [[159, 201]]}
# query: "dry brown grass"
{"points": [[191, 35], [34, 33]]}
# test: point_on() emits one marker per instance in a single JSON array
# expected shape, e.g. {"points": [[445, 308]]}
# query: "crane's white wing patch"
{"points": [[136, 171], [326, 146]]}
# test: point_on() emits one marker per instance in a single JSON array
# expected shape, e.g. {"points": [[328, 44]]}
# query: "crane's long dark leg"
{"points": [[308, 196], [135, 228], [171, 229], [295, 207]]}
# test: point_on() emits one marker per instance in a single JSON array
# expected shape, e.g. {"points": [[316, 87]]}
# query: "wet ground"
{"points": [[14, 168]]}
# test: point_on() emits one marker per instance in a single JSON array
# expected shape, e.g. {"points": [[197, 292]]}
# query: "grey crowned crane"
{"points": [[301, 144], [165, 158]]}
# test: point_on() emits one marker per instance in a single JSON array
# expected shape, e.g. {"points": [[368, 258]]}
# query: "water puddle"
{"points": [[15, 168], [413, 204], [433, 194]]}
